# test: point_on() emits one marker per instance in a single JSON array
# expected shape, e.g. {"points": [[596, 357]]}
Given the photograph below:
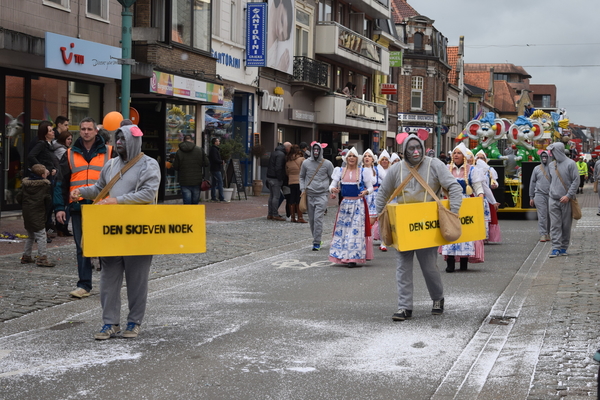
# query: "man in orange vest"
{"points": [[80, 166]]}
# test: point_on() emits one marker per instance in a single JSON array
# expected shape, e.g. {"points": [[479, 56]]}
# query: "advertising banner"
{"points": [[135, 230], [280, 35], [256, 39], [177, 86], [65, 53], [416, 225]]}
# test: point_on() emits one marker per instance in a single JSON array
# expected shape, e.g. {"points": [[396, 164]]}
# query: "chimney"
{"points": [[461, 46]]}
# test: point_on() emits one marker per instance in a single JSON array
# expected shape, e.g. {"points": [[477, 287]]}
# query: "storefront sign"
{"points": [[256, 39], [395, 58], [226, 59], [65, 53], [177, 86], [271, 103], [416, 117], [132, 230], [414, 129], [389, 88], [416, 225], [301, 115]]}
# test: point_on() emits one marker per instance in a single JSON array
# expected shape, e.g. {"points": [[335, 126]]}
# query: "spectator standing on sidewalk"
{"points": [[35, 198], [190, 161], [315, 176], [61, 145], [295, 158], [80, 166], [275, 178], [437, 176], [564, 181], [539, 188], [582, 168], [138, 185], [216, 170], [591, 165]]}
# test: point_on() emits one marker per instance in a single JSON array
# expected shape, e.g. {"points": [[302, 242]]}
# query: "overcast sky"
{"points": [[562, 36]]}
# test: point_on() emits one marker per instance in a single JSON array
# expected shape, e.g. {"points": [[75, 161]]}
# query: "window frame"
{"points": [[416, 87], [64, 5], [193, 34], [104, 6], [307, 28]]}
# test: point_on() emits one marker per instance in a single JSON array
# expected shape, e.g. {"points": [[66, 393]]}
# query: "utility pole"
{"points": [[439, 104], [126, 61]]}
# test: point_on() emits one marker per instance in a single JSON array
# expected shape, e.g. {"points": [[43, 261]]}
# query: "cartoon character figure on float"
{"points": [[522, 134], [487, 131]]}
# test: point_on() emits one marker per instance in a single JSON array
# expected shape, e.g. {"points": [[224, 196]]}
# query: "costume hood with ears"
{"points": [[133, 140], [353, 151], [316, 152], [370, 152], [406, 141], [558, 151], [544, 156]]}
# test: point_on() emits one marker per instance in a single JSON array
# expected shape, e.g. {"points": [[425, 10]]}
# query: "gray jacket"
{"points": [[568, 171], [539, 183], [432, 170], [138, 185], [320, 183]]}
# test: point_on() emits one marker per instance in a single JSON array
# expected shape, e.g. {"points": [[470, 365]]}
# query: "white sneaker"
{"points": [[288, 219]]}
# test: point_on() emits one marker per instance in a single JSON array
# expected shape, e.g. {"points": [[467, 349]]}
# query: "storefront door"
{"points": [[12, 103]]}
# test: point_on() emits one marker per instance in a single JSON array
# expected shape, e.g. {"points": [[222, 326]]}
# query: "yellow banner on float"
{"points": [[134, 230], [415, 225]]}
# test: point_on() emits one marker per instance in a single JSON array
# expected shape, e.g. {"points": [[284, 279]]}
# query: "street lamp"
{"points": [[438, 144], [126, 61]]}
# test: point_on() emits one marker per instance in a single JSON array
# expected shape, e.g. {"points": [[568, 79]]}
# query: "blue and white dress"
{"points": [[464, 249], [351, 232]]}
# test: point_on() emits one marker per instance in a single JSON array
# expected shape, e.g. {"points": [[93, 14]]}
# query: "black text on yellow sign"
{"points": [[147, 229], [416, 225], [435, 224], [126, 230]]}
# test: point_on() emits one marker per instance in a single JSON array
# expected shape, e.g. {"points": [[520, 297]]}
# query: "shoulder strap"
{"points": [[104, 192], [544, 172], [558, 174], [418, 177], [399, 188], [313, 177]]}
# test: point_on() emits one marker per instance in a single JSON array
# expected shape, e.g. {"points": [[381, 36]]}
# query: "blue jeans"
{"points": [[274, 196], [84, 264], [216, 182], [190, 194]]}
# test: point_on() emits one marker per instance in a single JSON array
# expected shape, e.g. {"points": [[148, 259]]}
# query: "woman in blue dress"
{"points": [[471, 181], [352, 228]]}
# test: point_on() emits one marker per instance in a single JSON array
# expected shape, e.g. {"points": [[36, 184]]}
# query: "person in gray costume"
{"points": [[560, 195], [437, 176], [539, 186], [315, 176], [138, 185]]}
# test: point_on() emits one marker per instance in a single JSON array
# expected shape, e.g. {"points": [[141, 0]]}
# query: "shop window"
{"points": [[416, 93], [181, 121], [97, 8], [190, 23], [62, 3]]}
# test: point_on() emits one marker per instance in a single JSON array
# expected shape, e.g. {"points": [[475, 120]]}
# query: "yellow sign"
{"points": [[415, 225], [135, 230]]}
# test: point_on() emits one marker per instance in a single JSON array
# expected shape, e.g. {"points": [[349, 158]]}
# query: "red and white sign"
{"points": [[389, 88]]}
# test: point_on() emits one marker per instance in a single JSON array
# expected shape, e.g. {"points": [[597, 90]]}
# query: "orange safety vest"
{"points": [[84, 174]]}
